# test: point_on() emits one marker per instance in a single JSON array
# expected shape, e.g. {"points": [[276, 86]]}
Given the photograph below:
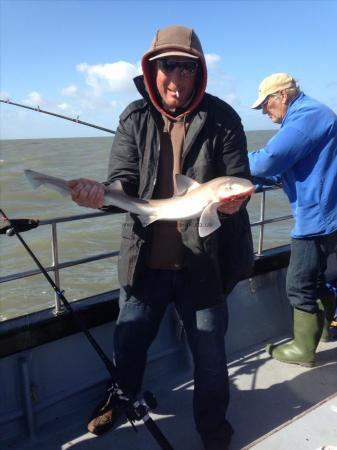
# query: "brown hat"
{"points": [[175, 40], [272, 84]]}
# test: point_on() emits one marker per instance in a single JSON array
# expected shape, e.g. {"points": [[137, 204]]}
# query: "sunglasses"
{"points": [[186, 68]]}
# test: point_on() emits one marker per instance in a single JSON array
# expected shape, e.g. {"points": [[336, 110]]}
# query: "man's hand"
{"points": [[87, 192], [231, 206]]}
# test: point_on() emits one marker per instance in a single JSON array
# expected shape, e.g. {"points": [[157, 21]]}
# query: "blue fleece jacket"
{"points": [[303, 157]]}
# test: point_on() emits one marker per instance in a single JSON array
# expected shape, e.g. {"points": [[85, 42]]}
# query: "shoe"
{"points": [[307, 332], [103, 417]]}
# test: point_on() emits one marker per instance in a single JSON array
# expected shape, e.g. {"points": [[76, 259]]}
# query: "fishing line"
{"points": [[61, 116], [134, 409]]}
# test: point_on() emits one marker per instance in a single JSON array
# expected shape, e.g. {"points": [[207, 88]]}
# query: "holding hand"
{"points": [[232, 206], [87, 192]]}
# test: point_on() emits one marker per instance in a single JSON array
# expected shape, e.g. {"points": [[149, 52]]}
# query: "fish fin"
{"points": [[209, 220], [184, 184], [146, 220], [37, 179], [32, 178]]}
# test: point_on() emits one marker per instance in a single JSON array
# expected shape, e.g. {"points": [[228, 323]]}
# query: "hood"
{"points": [[180, 40]]}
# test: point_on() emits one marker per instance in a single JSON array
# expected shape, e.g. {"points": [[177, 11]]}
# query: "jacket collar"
{"points": [[292, 107]]}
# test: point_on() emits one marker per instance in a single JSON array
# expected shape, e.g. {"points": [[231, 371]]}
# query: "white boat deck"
{"points": [[273, 406]]}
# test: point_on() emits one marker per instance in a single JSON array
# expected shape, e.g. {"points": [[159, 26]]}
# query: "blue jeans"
{"points": [[305, 276], [141, 312]]}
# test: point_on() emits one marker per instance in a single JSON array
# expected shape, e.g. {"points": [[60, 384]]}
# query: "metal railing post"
{"points": [[261, 230], [58, 305]]}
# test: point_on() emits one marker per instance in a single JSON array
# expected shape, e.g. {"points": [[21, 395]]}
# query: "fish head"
{"points": [[233, 188]]}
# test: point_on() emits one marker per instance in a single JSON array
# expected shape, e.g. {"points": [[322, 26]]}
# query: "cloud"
{"points": [[4, 95], [34, 98], [221, 83], [69, 91], [115, 77], [212, 59], [231, 98], [64, 106]]}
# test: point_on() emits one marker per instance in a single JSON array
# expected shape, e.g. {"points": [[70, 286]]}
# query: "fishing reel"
{"points": [[134, 409], [138, 409], [9, 227]]}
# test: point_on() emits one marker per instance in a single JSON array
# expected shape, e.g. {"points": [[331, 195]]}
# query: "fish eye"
{"points": [[226, 188]]}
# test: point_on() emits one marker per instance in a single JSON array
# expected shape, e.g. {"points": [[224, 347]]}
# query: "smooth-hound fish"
{"points": [[191, 199]]}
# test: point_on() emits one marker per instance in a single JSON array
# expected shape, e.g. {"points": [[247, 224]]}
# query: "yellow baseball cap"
{"points": [[272, 84]]}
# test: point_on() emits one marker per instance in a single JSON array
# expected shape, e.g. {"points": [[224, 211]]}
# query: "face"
{"points": [[275, 106], [175, 84]]}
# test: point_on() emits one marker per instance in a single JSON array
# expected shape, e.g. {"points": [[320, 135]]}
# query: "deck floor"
{"points": [[265, 394]]}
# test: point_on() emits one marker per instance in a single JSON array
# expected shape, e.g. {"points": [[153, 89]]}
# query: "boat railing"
{"points": [[263, 221], [56, 265]]}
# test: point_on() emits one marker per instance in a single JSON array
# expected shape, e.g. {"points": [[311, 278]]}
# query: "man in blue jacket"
{"points": [[303, 157]]}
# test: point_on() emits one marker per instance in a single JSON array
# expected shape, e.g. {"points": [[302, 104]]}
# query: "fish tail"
{"points": [[33, 178]]}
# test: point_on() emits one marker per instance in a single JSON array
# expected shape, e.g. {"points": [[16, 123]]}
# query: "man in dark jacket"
{"points": [[176, 128]]}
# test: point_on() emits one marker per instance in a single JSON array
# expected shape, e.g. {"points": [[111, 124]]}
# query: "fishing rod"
{"points": [[134, 409], [76, 120]]}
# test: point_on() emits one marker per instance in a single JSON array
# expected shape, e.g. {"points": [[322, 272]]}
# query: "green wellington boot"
{"points": [[307, 332], [328, 305]]}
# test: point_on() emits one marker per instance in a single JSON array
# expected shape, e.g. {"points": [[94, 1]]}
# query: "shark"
{"points": [[191, 199]]}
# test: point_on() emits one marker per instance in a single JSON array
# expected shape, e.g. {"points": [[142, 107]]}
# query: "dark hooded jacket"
{"points": [[215, 145]]}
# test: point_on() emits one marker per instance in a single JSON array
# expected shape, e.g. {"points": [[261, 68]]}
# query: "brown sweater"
{"points": [[166, 250]]}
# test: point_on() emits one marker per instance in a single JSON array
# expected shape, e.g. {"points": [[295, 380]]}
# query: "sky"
{"points": [[78, 57]]}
